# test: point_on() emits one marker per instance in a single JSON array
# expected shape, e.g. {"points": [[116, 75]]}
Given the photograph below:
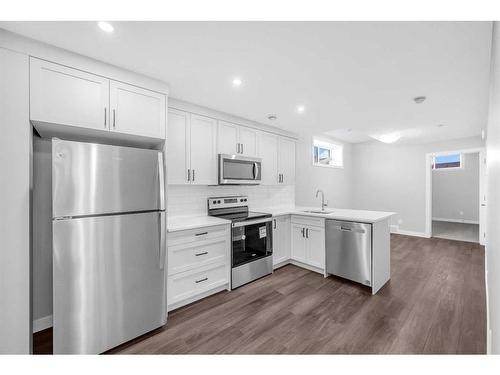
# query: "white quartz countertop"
{"points": [[363, 216], [176, 223]]}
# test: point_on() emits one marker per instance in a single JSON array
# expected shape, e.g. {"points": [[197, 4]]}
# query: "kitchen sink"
{"points": [[318, 212]]}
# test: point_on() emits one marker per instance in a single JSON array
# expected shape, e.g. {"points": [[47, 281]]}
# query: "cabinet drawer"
{"points": [[198, 235], [189, 284], [308, 220], [185, 257]]}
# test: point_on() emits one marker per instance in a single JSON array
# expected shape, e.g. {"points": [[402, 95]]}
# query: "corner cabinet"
{"points": [[191, 149], [308, 241], [69, 98]]}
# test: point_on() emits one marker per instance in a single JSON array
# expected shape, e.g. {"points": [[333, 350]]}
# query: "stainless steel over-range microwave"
{"points": [[239, 170]]}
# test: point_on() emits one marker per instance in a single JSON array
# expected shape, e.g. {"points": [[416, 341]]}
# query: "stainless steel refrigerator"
{"points": [[108, 223]]}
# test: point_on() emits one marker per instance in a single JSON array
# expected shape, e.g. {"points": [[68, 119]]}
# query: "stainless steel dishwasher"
{"points": [[349, 250]]}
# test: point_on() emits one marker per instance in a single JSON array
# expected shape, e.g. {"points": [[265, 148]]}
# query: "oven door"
{"points": [[251, 241], [239, 170]]}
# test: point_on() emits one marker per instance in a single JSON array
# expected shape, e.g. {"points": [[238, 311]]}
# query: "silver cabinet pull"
{"points": [[201, 234], [282, 178], [114, 119], [307, 232], [105, 117], [200, 254], [201, 280], [274, 223], [242, 151], [189, 174], [193, 175], [303, 230], [237, 148]]}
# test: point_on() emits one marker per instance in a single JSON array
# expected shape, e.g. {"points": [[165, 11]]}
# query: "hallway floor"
{"points": [[455, 231]]}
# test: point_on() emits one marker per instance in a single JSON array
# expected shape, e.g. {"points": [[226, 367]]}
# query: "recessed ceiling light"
{"points": [[105, 26], [301, 109], [237, 82], [272, 117], [419, 99], [389, 137]]}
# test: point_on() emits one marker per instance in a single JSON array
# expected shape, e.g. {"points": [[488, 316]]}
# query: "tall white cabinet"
{"points": [[191, 149], [286, 161]]}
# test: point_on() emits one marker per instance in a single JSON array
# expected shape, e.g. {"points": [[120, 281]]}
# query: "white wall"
{"points": [[335, 182], [493, 197], [391, 177], [455, 192], [15, 314]]}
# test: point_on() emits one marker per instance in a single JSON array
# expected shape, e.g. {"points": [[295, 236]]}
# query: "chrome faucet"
{"points": [[323, 204]]}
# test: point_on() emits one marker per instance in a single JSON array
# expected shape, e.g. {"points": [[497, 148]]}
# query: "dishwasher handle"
{"points": [[346, 229]]}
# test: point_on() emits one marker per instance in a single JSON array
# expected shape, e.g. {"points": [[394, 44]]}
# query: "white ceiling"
{"points": [[360, 76]]}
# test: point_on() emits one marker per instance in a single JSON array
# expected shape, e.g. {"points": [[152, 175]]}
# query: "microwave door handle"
{"points": [[161, 184], [254, 171]]}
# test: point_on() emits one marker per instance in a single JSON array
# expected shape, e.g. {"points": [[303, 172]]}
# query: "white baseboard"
{"points": [[42, 323], [464, 221], [395, 229]]}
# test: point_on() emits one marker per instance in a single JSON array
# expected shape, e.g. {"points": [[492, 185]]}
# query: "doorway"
{"points": [[456, 202]]}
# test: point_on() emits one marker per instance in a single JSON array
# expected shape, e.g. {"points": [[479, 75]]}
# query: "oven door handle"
{"points": [[251, 222]]}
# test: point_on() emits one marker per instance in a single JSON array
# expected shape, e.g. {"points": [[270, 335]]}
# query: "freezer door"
{"points": [[349, 250], [90, 179], [109, 280]]}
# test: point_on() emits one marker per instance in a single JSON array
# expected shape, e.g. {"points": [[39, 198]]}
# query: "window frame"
{"points": [[461, 166], [331, 146]]}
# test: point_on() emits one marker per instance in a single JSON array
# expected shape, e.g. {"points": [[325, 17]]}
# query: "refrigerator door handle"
{"points": [[161, 181], [163, 244]]}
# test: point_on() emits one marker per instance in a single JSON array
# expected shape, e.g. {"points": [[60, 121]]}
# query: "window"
{"points": [[447, 161], [327, 154]]}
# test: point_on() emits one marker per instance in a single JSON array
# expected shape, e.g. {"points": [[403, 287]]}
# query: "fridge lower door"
{"points": [[109, 280]]}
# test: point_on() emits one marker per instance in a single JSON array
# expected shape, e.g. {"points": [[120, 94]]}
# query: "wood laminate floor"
{"points": [[434, 303]]}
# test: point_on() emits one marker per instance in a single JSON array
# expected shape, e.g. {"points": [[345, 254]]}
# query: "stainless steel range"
{"points": [[252, 238]]}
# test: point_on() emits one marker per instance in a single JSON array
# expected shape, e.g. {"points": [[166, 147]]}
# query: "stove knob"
{"points": [[245, 199], [214, 202], [218, 201], [241, 200]]}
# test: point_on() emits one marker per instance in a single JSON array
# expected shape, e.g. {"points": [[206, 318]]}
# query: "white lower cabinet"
{"points": [[198, 264], [281, 239], [308, 241]]}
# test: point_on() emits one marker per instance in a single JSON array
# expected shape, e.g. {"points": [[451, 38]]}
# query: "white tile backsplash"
{"points": [[192, 200]]}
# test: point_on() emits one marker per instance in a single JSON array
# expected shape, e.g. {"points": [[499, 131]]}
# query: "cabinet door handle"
{"points": [[114, 119], [189, 175], [237, 148], [242, 150], [201, 234], [274, 223], [201, 280], [105, 117], [303, 230], [200, 254], [193, 175], [307, 233]]}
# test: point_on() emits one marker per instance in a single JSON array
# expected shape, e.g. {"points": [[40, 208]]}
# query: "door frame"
{"points": [[482, 187]]}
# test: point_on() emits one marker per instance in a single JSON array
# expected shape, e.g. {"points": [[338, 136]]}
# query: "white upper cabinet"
{"points": [[286, 161], [178, 147], [137, 111], [78, 100], [227, 138], [236, 140], [203, 150], [65, 96], [268, 151], [248, 142]]}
